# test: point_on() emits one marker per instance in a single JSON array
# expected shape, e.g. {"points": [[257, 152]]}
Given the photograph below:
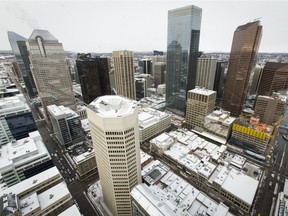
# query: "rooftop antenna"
{"points": [[259, 18]]}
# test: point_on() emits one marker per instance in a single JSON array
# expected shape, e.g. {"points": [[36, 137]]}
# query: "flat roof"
{"points": [[32, 181], [13, 104], [149, 116], [246, 186], [53, 195], [61, 111], [73, 210], [202, 91], [29, 204], [144, 156], [22, 150], [112, 106]]}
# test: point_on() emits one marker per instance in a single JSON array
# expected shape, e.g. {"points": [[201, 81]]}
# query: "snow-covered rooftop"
{"points": [[73, 210], [113, 106], [178, 197], [149, 116], [22, 150], [61, 111], [53, 195], [202, 91], [32, 181]]}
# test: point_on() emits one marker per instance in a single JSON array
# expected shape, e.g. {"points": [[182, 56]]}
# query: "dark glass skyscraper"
{"points": [[274, 78], [246, 41], [182, 53], [94, 76], [19, 48]]}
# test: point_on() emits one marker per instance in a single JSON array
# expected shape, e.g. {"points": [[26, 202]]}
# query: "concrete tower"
{"points": [[115, 133], [124, 73]]}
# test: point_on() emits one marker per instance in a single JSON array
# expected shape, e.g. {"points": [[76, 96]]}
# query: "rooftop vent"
{"points": [[51, 196]]}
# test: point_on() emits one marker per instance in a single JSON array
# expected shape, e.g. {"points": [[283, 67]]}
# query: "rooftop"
{"points": [[23, 150], [61, 111], [73, 210], [32, 182], [113, 106], [53, 195], [13, 104], [149, 116], [174, 196], [202, 91]]}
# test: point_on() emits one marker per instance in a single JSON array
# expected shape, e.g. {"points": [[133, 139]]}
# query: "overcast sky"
{"points": [[104, 26]]}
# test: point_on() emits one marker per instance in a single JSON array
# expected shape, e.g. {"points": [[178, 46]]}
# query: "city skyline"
{"points": [[90, 26]]}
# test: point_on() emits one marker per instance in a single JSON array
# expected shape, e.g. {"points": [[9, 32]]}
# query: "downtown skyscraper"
{"points": [[115, 133], [245, 45], [50, 70], [19, 48], [124, 73], [182, 54], [93, 75]]}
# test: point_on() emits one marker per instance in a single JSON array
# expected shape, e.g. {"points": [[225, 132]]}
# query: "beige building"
{"points": [[152, 122], [115, 133], [271, 108], [85, 163], [50, 70], [124, 73], [200, 103], [206, 69]]}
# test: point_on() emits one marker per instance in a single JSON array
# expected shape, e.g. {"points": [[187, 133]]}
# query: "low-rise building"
{"points": [[82, 157], [282, 201], [203, 162], [174, 196], [152, 122], [250, 134], [23, 158], [43, 194]]}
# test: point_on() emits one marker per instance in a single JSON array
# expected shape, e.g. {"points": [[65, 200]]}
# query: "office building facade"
{"points": [[159, 73], [200, 103], [270, 109], [66, 124], [16, 119], [124, 73], [94, 76], [115, 134], [19, 48], [206, 69], [221, 71], [50, 70], [274, 78], [182, 53], [245, 44]]}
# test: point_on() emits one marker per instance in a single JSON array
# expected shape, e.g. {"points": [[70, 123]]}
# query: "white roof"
{"points": [[113, 106], [202, 91], [73, 210], [53, 195], [22, 150], [144, 156], [29, 204], [246, 186], [13, 104], [84, 156], [149, 116], [32, 181], [61, 111]]}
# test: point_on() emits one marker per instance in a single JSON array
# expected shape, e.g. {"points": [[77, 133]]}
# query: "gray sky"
{"points": [[104, 26]]}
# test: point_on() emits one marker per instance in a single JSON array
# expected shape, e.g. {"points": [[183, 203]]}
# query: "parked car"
{"points": [[285, 136]]}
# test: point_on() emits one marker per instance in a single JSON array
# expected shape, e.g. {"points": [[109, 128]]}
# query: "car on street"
{"points": [[270, 184], [285, 137]]}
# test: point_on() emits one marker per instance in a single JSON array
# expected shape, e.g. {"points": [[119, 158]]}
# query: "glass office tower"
{"points": [[19, 48], [246, 41], [182, 53]]}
